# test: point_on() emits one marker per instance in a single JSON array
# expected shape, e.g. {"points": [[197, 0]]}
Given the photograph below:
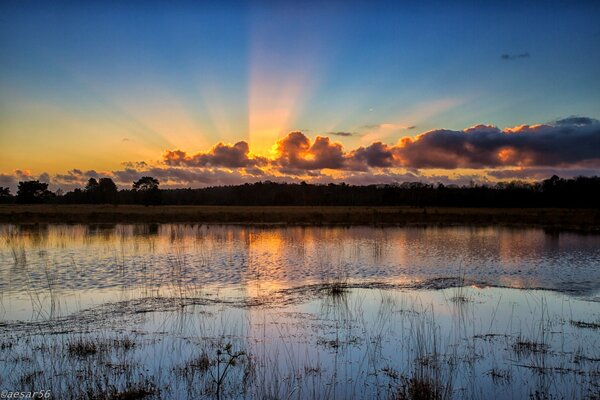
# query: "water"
{"points": [[467, 312]]}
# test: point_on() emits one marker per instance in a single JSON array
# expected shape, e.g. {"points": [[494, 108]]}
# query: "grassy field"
{"points": [[581, 219]]}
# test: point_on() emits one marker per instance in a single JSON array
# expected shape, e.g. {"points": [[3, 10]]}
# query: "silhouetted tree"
{"points": [[107, 190], [554, 192], [31, 192], [146, 183], [5, 196], [91, 185], [146, 190], [102, 191]]}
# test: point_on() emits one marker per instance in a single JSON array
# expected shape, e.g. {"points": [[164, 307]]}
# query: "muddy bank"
{"points": [[571, 219]]}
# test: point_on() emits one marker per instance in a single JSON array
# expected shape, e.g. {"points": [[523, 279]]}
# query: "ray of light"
{"points": [[282, 78]]}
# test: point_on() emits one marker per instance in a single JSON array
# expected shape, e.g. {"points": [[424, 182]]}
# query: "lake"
{"points": [[216, 311]]}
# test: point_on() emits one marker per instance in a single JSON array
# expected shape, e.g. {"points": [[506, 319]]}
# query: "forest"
{"points": [[580, 192]]}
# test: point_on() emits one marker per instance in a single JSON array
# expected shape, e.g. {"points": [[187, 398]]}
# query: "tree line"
{"points": [[580, 192]]}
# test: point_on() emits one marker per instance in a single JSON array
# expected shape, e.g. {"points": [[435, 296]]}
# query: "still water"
{"points": [[466, 312]]}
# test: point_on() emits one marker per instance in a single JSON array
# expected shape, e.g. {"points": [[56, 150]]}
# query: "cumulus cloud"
{"points": [[573, 141], [376, 155], [540, 173], [221, 155], [566, 147], [297, 152], [565, 143]]}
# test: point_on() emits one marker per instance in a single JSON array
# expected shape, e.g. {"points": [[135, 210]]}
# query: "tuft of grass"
{"points": [[83, 348], [500, 375], [201, 363], [336, 288], [416, 388], [583, 324], [524, 346], [133, 391], [460, 299], [6, 345], [28, 379], [126, 343]]}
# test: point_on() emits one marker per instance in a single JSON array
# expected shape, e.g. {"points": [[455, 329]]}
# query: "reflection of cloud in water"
{"points": [[78, 258]]}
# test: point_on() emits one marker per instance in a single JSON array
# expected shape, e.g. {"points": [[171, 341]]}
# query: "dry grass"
{"points": [[580, 219], [418, 389], [524, 346], [584, 324], [83, 347]]}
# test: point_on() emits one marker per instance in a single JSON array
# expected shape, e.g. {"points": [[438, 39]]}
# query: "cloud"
{"points": [[221, 155], [376, 155], [296, 151], [135, 164], [540, 173], [565, 147], [344, 134], [510, 57], [576, 121], [7, 180], [565, 143]]}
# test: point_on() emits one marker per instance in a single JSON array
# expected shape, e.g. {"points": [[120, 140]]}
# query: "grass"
{"points": [[340, 340], [336, 288], [586, 325], [500, 375], [577, 219], [83, 347], [398, 350], [418, 389], [524, 346]]}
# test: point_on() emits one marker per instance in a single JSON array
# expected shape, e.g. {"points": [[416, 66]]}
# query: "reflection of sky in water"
{"points": [[346, 346], [88, 264]]}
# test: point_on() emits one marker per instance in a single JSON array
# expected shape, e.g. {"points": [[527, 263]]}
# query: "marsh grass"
{"points": [[525, 346], [585, 325], [355, 342], [418, 389], [336, 288], [84, 347], [400, 352], [502, 376]]}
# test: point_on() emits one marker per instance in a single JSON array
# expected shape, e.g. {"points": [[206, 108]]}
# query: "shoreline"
{"points": [[552, 218]]}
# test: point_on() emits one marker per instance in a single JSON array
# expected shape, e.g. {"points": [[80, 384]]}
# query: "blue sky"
{"points": [[93, 84]]}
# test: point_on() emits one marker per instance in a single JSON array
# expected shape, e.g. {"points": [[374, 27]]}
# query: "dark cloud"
{"points": [[566, 147], [514, 56], [377, 155], [345, 134], [297, 152], [221, 155], [577, 121], [196, 177], [540, 173], [7, 180], [485, 146]]}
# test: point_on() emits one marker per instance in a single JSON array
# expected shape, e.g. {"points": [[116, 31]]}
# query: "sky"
{"points": [[211, 93]]}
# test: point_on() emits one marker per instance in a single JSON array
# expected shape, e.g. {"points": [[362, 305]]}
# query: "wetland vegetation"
{"points": [[188, 311]]}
